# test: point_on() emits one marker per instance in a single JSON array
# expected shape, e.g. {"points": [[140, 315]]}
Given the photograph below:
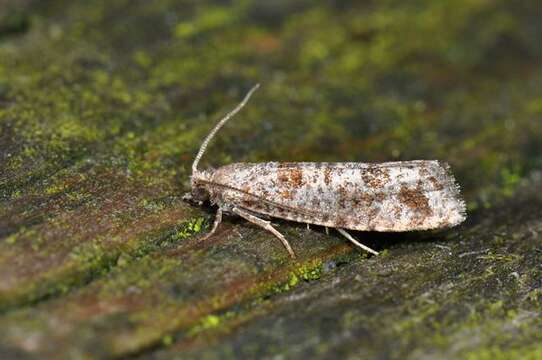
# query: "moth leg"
{"points": [[357, 243], [267, 226], [308, 226], [218, 220], [327, 230]]}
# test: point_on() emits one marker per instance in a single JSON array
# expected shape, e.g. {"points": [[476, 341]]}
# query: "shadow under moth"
{"points": [[389, 196]]}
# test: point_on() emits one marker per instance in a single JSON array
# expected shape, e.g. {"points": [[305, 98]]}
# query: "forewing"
{"points": [[393, 196]]}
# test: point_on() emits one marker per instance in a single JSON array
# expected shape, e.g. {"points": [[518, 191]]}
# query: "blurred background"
{"points": [[341, 81], [104, 103]]}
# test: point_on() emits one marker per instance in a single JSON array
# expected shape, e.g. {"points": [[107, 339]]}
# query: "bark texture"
{"points": [[103, 105]]}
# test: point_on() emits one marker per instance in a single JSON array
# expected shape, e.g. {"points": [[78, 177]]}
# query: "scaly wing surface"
{"points": [[392, 196]]}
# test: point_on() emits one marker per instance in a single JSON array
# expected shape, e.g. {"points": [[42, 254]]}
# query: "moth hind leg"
{"points": [[355, 242], [267, 226]]}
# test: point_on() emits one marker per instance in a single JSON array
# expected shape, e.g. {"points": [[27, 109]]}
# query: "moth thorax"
{"points": [[202, 177]]}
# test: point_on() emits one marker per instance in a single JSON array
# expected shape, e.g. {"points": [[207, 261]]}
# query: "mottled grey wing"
{"points": [[393, 196]]}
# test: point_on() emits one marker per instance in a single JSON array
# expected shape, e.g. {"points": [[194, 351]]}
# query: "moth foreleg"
{"points": [[357, 243], [267, 226], [218, 220]]}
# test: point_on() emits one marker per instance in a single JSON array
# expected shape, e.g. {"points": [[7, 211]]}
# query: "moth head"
{"points": [[200, 191]]}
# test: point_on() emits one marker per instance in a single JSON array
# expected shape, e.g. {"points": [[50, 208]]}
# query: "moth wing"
{"points": [[393, 196]]}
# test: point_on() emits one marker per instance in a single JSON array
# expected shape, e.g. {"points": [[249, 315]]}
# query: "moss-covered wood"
{"points": [[103, 105]]}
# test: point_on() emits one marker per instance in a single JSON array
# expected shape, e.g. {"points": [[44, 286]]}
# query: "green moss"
{"points": [[510, 180], [535, 296], [310, 271], [307, 271], [141, 273], [293, 281], [211, 18], [496, 353], [54, 189], [167, 340], [23, 234], [209, 322], [384, 253], [189, 228]]}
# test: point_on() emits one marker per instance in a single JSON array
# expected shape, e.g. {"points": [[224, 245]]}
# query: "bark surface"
{"points": [[103, 105]]}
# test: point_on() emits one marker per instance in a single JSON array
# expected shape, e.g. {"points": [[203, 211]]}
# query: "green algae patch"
{"points": [[495, 352], [210, 322], [310, 272], [189, 228], [210, 18], [305, 272]]}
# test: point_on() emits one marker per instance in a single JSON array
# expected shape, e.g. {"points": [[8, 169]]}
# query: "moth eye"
{"points": [[200, 194]]}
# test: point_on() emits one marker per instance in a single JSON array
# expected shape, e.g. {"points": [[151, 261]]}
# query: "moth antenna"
{"points": [[219, 125]]}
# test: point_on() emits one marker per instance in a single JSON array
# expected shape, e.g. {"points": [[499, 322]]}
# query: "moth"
{"points": [[389, 196]]}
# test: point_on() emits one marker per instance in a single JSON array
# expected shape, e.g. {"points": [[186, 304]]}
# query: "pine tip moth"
{"points": [[388, 197]]}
